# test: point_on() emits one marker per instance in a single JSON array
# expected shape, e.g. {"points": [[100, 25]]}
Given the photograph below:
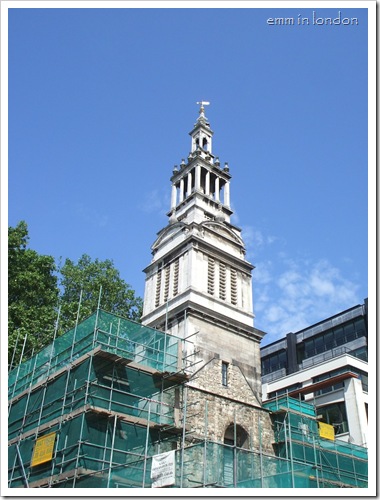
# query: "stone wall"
{"points": [[211, 408]]}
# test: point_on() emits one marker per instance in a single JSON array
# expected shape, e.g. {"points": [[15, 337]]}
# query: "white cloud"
{"points": [[262, 274], [255, 240], [293, 293], [301, 294]]}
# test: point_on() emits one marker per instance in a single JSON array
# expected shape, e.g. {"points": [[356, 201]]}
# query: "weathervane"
{"points": [[203, 104]]}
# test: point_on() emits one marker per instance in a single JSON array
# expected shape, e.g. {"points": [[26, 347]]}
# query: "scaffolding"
{"points": [[97, 406], [333, 463]]}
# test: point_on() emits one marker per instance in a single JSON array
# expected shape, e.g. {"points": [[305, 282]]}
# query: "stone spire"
{"points": [[200, 182], [199, 283], [199, 257], [199, 287]]}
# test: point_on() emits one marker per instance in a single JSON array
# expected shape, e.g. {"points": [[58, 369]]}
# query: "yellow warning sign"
{"points": [[326, 431], [43, 449]]}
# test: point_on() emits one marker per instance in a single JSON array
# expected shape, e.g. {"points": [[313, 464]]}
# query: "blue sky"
{"points": [[100, 105]]}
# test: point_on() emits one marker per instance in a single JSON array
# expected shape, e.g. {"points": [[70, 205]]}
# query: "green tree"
{"points": [[36, 287], [94, 279], [32, 295]]}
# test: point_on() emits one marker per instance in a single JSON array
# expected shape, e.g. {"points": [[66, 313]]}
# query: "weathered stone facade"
{"points": [[212, 408]]}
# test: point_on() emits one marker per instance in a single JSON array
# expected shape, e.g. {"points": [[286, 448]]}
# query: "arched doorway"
{"points": [[236, 432], [235, 436]]}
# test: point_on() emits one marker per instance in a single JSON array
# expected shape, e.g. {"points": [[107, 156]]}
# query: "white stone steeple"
{"points": [[199, 279], [201, 182]]}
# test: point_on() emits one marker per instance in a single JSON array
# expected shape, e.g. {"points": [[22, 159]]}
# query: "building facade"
{"points": [[325, 364]]}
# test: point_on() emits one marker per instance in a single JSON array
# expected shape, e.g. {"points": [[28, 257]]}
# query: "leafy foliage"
{"points": [[36, 288], [99, 282], [32, 294]]}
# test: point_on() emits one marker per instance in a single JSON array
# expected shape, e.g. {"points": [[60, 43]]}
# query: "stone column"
{"points": [[197, 177], [189, 182], [227, 194], [174, 196], [181, 190], [207, 186], [217, 194]]}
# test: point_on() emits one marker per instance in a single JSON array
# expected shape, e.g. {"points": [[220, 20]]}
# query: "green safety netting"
{"points": [[112, 334], [297, 439], [110, 418], [121, 458]]}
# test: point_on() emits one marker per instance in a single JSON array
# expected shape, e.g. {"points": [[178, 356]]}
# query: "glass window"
{"points": [[329, 339], [361, 353], [286, 390], [335, 415], [364, 379], [224, 373], [330, 388], [274, 362], [319, 344], [309, 348], [300, 353], [282, 359], [339, 336], [360, 327], [349, 332], [265, 366]]}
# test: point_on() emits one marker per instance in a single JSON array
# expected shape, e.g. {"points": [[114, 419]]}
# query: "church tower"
{"points": [[198, 284]]}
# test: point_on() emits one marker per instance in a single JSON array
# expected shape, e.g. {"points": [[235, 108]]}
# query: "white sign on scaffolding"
{"points": [[163, 469]]}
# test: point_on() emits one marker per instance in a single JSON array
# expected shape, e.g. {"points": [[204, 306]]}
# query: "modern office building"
{"points": [[325, 364]]}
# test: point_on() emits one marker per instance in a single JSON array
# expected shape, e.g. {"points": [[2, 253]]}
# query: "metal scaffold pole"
{"points": [[112, 448], [146, 446], [117, 334], [354, 468], [183, 433], [261, 453], [22, 466], [87, 384], [165, 337], [235, 452], [18, 372], [76, 325], [14, 351], [285, 439], [316, 463], [291, 450], [205, 445], [28, 397], [48, 373], [97, 318]]}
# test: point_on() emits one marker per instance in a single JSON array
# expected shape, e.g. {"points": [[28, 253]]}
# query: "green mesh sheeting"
{"points": [[112, 334], [108, 457], [336, 463], [98, 383], [103, 390], [103, 442], [292, 404]]}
